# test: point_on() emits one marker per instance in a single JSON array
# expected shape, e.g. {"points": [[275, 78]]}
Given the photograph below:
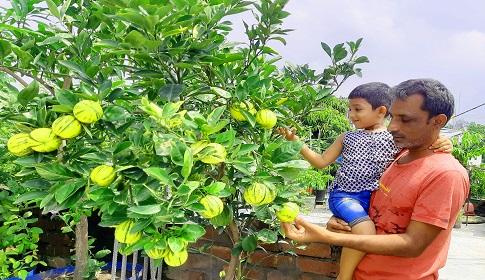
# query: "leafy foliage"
{"points": [[166, 77]]}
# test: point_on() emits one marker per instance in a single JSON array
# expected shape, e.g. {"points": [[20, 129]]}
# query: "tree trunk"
{"points": [[81, 247], [234, 262]]}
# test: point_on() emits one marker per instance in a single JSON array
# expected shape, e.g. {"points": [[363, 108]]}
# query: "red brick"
{"points": [[213, 236], [262, 258], [281, 275], [254, 274], [177, 274], [220, 252], [318, 266], [318, 250]]}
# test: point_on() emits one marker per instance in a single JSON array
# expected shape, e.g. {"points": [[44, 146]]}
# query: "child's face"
{"points": [[362, 115]]}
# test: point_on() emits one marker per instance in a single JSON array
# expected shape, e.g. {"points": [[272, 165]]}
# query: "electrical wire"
{"points": [[467, 111]]}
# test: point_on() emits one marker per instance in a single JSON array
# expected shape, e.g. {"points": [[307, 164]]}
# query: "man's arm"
{"points": [[412, 243]]}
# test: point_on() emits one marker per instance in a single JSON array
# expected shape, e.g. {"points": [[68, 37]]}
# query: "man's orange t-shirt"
{"points": [[429, 190]]}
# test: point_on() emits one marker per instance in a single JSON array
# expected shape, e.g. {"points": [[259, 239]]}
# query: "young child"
{"points": [[365, 155]]}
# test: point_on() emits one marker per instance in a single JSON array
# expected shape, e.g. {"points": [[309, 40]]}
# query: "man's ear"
{"points": [[440, 120]]}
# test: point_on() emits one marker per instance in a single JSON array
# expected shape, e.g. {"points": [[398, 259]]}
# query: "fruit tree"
{"points": [[143, 111]]}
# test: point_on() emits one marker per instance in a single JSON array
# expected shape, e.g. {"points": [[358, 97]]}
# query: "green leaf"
{"points": [[115, 114], [135, 38], [160, 174], [64, 191], [340, 54], [121, 147], [191, 232], [145, 209], [362, 59], [249, 243], [326, 48], [188, 163], [28, 93], [54, 171], [177, 152], [171, 91], [5, 48], [267, 236], [175, 244], [215, 188], [215, 115], [214, 128], [30, 196], [286, 152], [62, 108], [66, 97]]}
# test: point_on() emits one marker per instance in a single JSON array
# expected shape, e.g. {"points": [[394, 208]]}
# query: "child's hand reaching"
{"points": [[289, 135]]}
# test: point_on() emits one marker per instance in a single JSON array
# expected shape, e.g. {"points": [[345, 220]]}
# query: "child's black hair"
{"points": [[376, 93]]}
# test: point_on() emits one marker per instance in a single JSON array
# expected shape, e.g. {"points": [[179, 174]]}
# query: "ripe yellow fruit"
{"points": [[156, 253], [103, 175], [176, 258], [289, 212], [44, 140], [87, 111], [266, 118], [19, 144], [235, 110], [123, 235], [258, 194], [213, 206], [66, 127]]}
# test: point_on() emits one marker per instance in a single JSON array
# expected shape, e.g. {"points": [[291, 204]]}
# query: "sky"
{"points": [[403, 39]]}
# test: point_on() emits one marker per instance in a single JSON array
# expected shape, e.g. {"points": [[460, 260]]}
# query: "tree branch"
{"points": [[15, 76]]}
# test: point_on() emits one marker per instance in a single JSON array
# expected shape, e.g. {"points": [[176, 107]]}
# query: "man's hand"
{"points": [[338, 225], [304, 231], [443, 144], [290, 135]]}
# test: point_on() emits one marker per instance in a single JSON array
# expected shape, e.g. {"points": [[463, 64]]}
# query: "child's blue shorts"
{"points": [[352, 207]]}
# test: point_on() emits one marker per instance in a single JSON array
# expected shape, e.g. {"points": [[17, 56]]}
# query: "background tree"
{"points": [[166, 78]]}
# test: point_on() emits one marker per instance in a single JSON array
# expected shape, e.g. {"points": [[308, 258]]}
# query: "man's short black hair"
{"points": [[437, 98], [376, 93]]}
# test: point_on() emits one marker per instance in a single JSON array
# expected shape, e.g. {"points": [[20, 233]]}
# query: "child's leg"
{"points": [[350, 258]]}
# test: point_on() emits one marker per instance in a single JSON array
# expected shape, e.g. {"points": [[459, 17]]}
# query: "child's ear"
{"points": [[382, 110]]}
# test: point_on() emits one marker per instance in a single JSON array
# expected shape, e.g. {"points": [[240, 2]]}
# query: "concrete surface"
{"points": [[466, 257]]}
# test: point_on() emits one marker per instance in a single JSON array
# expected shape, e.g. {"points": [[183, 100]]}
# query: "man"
{"points": [[419, 197]]}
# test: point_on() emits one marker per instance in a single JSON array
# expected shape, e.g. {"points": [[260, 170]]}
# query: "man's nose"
{"points": [[392, 126]]}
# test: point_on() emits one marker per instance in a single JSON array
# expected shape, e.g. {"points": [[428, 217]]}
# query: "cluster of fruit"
{"points": [[172, 258], [265, 117], [259, 194], [46, 140]]}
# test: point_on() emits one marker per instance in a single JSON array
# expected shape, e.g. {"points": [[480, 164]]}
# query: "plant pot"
{"points": [[320, 195], [70, 269]]}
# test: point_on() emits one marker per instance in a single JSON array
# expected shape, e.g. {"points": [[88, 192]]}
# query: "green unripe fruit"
{"points": [[289, 212]]}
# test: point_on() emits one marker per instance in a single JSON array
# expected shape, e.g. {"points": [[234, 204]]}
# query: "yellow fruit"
{"points": [[213, 153], [66, 127], [123, 235], [213, 206], [289, 212], [19, 145], [156, 253], [44, 140], [176, 258], [266, 118], [235, 110], [103, 175], [258, 194], [87, 111]]}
